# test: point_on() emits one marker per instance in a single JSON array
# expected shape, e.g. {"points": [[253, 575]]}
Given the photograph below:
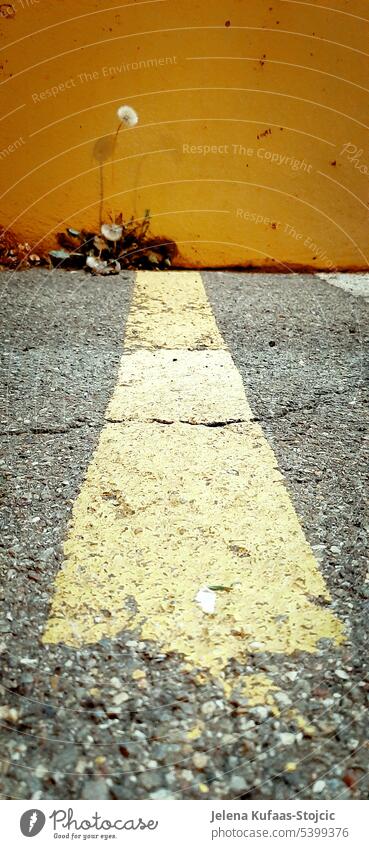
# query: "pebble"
{"points": [[292, 676], [337, 790], [162, 794], [120, 699], [340, 673], [208, 709], [8, 713], [40, 771], [238, 783], [200, 760], [282, 699], [138, 675], [260, 712], [287, 739], [95, 790], [318, 787], [151, 780]]}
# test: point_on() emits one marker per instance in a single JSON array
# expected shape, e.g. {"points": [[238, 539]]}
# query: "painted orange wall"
{"points": [[251, 145]]}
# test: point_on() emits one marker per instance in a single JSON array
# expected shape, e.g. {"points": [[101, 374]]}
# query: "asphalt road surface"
{"points": [[162, 437]]}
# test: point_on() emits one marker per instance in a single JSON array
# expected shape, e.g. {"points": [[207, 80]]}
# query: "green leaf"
{"points": [[63, 259]]}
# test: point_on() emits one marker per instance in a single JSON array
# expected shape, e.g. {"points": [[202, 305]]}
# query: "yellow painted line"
{"points": [[167, 508], [192, 386], [171, 310]]}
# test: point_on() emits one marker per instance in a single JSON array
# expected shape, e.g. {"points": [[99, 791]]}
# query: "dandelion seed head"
{"points": [[95, 264], [127, 116], [111, 232]]}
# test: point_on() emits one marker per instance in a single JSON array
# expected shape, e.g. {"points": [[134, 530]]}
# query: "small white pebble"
{"points": [[318, 787], [340, 673], [291, 676], [287, 739]]}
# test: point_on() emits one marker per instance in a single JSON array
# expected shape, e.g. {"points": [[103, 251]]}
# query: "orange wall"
{"points": [[276, 89]]}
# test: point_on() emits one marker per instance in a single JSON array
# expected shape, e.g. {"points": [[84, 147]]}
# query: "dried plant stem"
{"points": [[113, 154], [101, 205]]}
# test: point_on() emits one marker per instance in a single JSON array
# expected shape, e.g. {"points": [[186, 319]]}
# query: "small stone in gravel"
{"points": [[340, 673], [120, 698], [200, 760], [80, 766], [291, 676], [286, 738], [282, 699], [40, 771], [95, 692], [151, 780], [318, 787], [208, 709], [203, 788], [238, 783], [260, 712], [116, 683], [112, 712], [8, 713], [228, 739], [162, 794], [95, 790], [138, 674]]}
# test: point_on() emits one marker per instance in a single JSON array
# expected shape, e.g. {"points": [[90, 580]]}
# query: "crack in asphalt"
{"points": [[181, 421], [311, 407], [291, 410], [46, 430]]}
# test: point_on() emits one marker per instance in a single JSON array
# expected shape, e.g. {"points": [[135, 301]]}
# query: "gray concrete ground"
{"points": [[301, 347]]}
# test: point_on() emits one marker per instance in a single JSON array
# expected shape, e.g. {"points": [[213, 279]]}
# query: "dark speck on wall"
{"points": [[267, 132]]}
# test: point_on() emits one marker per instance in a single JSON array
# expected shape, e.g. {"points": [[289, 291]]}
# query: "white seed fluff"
{"points": [[112, 232], [127, 116]]}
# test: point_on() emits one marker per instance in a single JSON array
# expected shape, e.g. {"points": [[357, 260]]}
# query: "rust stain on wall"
{"points": [[250, 149]]}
